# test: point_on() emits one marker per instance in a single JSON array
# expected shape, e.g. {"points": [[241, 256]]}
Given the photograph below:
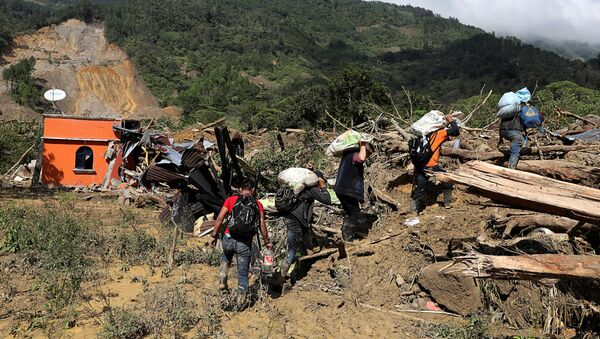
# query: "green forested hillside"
{"points": [[281, 63]]}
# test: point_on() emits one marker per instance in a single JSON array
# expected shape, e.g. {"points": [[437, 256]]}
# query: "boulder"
{"points": [[454, 291]]}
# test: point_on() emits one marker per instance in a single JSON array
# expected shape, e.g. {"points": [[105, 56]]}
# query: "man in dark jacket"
{"points": [[511, 129], [298, 221], [420, 179], [350, 188]]}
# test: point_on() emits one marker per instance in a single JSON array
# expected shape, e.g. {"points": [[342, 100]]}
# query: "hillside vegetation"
{"points": [[281, 63]]}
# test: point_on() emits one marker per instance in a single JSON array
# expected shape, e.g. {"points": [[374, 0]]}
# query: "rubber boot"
{"points": [[285, 267], [447, 199], [414, 206], [241, 300], [224, 269]]}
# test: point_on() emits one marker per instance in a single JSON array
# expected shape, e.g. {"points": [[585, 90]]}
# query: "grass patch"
{"points": [[136, 248], [206, 256], [120, 323], [55, 243]]}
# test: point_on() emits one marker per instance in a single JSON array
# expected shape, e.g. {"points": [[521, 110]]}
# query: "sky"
{"points": [[556, 20]]}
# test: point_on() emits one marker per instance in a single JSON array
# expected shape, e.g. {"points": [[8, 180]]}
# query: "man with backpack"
{"points": [[425, 154], [350, 187], [512, 130], [297, 212], [246, 215], [515, 128]]}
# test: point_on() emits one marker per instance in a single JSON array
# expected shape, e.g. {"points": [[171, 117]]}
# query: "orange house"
{"points": [[75, 149]]}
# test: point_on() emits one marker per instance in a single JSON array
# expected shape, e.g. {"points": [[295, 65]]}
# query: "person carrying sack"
{"points": [[425, 154], [297, 212], [350, 187], [246, 215]]}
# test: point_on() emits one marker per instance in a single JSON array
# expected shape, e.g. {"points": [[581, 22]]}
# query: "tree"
{"points": [[349, 91], [22, 85]]}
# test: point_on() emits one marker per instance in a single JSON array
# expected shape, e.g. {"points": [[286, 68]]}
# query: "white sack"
{"points": [[298, 178], [430, 122], [347, 141]]}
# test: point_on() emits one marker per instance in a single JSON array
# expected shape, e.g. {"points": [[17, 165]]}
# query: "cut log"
{"points": [[563, 170], [527, 190], [530, 267]]}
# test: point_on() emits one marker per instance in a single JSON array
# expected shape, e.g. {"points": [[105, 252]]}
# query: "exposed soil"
{"points": [[326, 302], [97, 76]]}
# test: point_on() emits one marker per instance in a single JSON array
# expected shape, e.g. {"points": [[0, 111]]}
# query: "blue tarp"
{"points": [[587, 136]]}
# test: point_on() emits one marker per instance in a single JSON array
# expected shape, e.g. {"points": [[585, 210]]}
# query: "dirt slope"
{"points": [[98, 77]]}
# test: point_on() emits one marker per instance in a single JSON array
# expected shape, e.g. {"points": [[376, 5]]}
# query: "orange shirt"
{"points": [[437, 138]]}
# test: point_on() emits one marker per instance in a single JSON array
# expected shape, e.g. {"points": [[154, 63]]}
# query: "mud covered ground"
{"points": [[127, 290]]}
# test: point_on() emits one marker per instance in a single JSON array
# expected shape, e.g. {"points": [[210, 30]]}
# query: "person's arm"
{"points": [[218, 224], [264, 232], [453, 130], [320, 193], [362, 152]]}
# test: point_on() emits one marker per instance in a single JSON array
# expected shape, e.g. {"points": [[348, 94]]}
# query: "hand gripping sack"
{"points": [[286, 200], [297, 179], [245, 217], [347, 141], [430, 122]]}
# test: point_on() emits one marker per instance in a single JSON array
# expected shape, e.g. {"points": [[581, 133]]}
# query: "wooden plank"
{"points": [[529, 267], [527, 190]]}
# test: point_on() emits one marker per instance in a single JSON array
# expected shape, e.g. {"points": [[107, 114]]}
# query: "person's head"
{"points": [[247, 186]]}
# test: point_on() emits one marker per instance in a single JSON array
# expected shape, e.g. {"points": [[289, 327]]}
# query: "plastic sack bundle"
{"points": [[298, 178], [430, 122], [347, 141], [510, 103]]}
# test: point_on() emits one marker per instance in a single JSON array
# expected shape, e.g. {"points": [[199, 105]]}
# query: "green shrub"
{"points": [[210, 257], [136, 248], [168, 310], [120, 323], [58, 241]]}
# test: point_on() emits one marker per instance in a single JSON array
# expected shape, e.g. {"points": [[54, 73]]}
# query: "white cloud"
{"points": [[577, 20]]}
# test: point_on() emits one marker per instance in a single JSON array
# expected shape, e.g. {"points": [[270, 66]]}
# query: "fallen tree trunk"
{"points": [[518, 223], [563, 170], [530, 267], [499, 154], [537, 243], [528, 190]]}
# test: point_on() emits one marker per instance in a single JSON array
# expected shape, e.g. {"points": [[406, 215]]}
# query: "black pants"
{"points": [[421, 186], [351, 206]]}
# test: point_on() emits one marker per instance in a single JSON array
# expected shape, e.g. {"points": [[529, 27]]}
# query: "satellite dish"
{"points": [[55, 95]]}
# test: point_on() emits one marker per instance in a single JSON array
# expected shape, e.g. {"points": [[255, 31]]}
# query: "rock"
{"points": [[456, 292], [399, 280]]}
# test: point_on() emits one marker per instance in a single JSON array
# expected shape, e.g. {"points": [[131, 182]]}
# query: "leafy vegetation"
{"points": [[56, 242], [278, 64], [22, 84], [15, 138]]}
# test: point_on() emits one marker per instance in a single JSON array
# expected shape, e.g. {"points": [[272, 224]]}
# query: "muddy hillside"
{"points": [[97, 76]]}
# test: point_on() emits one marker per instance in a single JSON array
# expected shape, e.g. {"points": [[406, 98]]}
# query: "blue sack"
{"points": [[531, 117], [523, 94]]}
